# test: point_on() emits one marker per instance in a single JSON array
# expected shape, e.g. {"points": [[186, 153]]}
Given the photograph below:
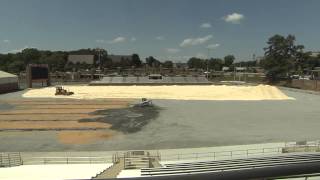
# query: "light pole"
{"points": [[208, 63], [99, 56]]}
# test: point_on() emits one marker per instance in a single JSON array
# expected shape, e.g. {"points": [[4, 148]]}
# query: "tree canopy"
{"points": [[58, 60], [228, 60], [136, 60], [168, 64], [281, 55]]}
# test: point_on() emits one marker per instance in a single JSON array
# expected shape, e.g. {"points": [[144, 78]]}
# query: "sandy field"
{"points": [[192, 92]]}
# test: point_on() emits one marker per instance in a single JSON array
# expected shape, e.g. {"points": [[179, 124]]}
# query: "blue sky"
{"points": [[166, 29]]}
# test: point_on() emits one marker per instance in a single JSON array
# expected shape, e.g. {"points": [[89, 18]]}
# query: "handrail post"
{"points": [[21, 161], [9, 159]]}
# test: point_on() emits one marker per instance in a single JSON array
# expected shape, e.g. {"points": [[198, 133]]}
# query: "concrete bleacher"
{"points": [[145, 80], [232, 165]]}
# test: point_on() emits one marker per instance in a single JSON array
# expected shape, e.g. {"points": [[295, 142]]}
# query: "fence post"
{"points": [[1, 161], [9, 159]]}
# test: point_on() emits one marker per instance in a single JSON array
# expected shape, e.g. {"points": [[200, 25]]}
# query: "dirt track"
{"points": [[60, 115]]}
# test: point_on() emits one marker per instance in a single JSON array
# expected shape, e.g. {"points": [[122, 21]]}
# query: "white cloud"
{"points": [[160, 38], [100, 41], [6, 41], [213, 46], [172, 50], [117, 40], [205, 25], [195, 41], [234, 18], [133, 39]]}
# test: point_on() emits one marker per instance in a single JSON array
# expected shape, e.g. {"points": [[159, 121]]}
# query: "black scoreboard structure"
{"points": [[38, 73]]}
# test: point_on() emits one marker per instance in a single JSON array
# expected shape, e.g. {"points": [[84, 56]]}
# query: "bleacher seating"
{"points": [[166, 80], [231, 165]]}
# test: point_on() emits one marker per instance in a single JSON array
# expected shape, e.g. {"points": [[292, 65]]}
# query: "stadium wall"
{"points": [[8, 82]]}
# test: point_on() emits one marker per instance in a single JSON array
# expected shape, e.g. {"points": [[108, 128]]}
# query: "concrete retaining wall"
{"points": [[8, 87], [306, 84]]}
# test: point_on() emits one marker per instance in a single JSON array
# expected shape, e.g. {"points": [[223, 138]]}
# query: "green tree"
{"points": [[56, 61], [30, 55], [16, 64], [152, 62], [228, 60], [168, 64], [196, 63], [215, 64], [136, 62], [280, 56]]}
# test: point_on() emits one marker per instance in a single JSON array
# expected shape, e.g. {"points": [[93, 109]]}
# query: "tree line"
{"points": [[58, 60], [282, 58], [212, 63]]}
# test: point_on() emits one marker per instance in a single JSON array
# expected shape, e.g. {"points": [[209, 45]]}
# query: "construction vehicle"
{"points": [[61, 91], [144, 102]]}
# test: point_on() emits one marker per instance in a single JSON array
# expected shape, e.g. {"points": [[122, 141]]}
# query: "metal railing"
{"points": [[10, 159], [311, 146], [219, 155], [67, 160]]}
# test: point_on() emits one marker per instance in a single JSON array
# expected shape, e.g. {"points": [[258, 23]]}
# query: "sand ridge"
{"points": [[185, 92]]}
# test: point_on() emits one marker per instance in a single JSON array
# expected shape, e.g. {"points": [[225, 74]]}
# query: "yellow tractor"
{"points": [[61, 91]]}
